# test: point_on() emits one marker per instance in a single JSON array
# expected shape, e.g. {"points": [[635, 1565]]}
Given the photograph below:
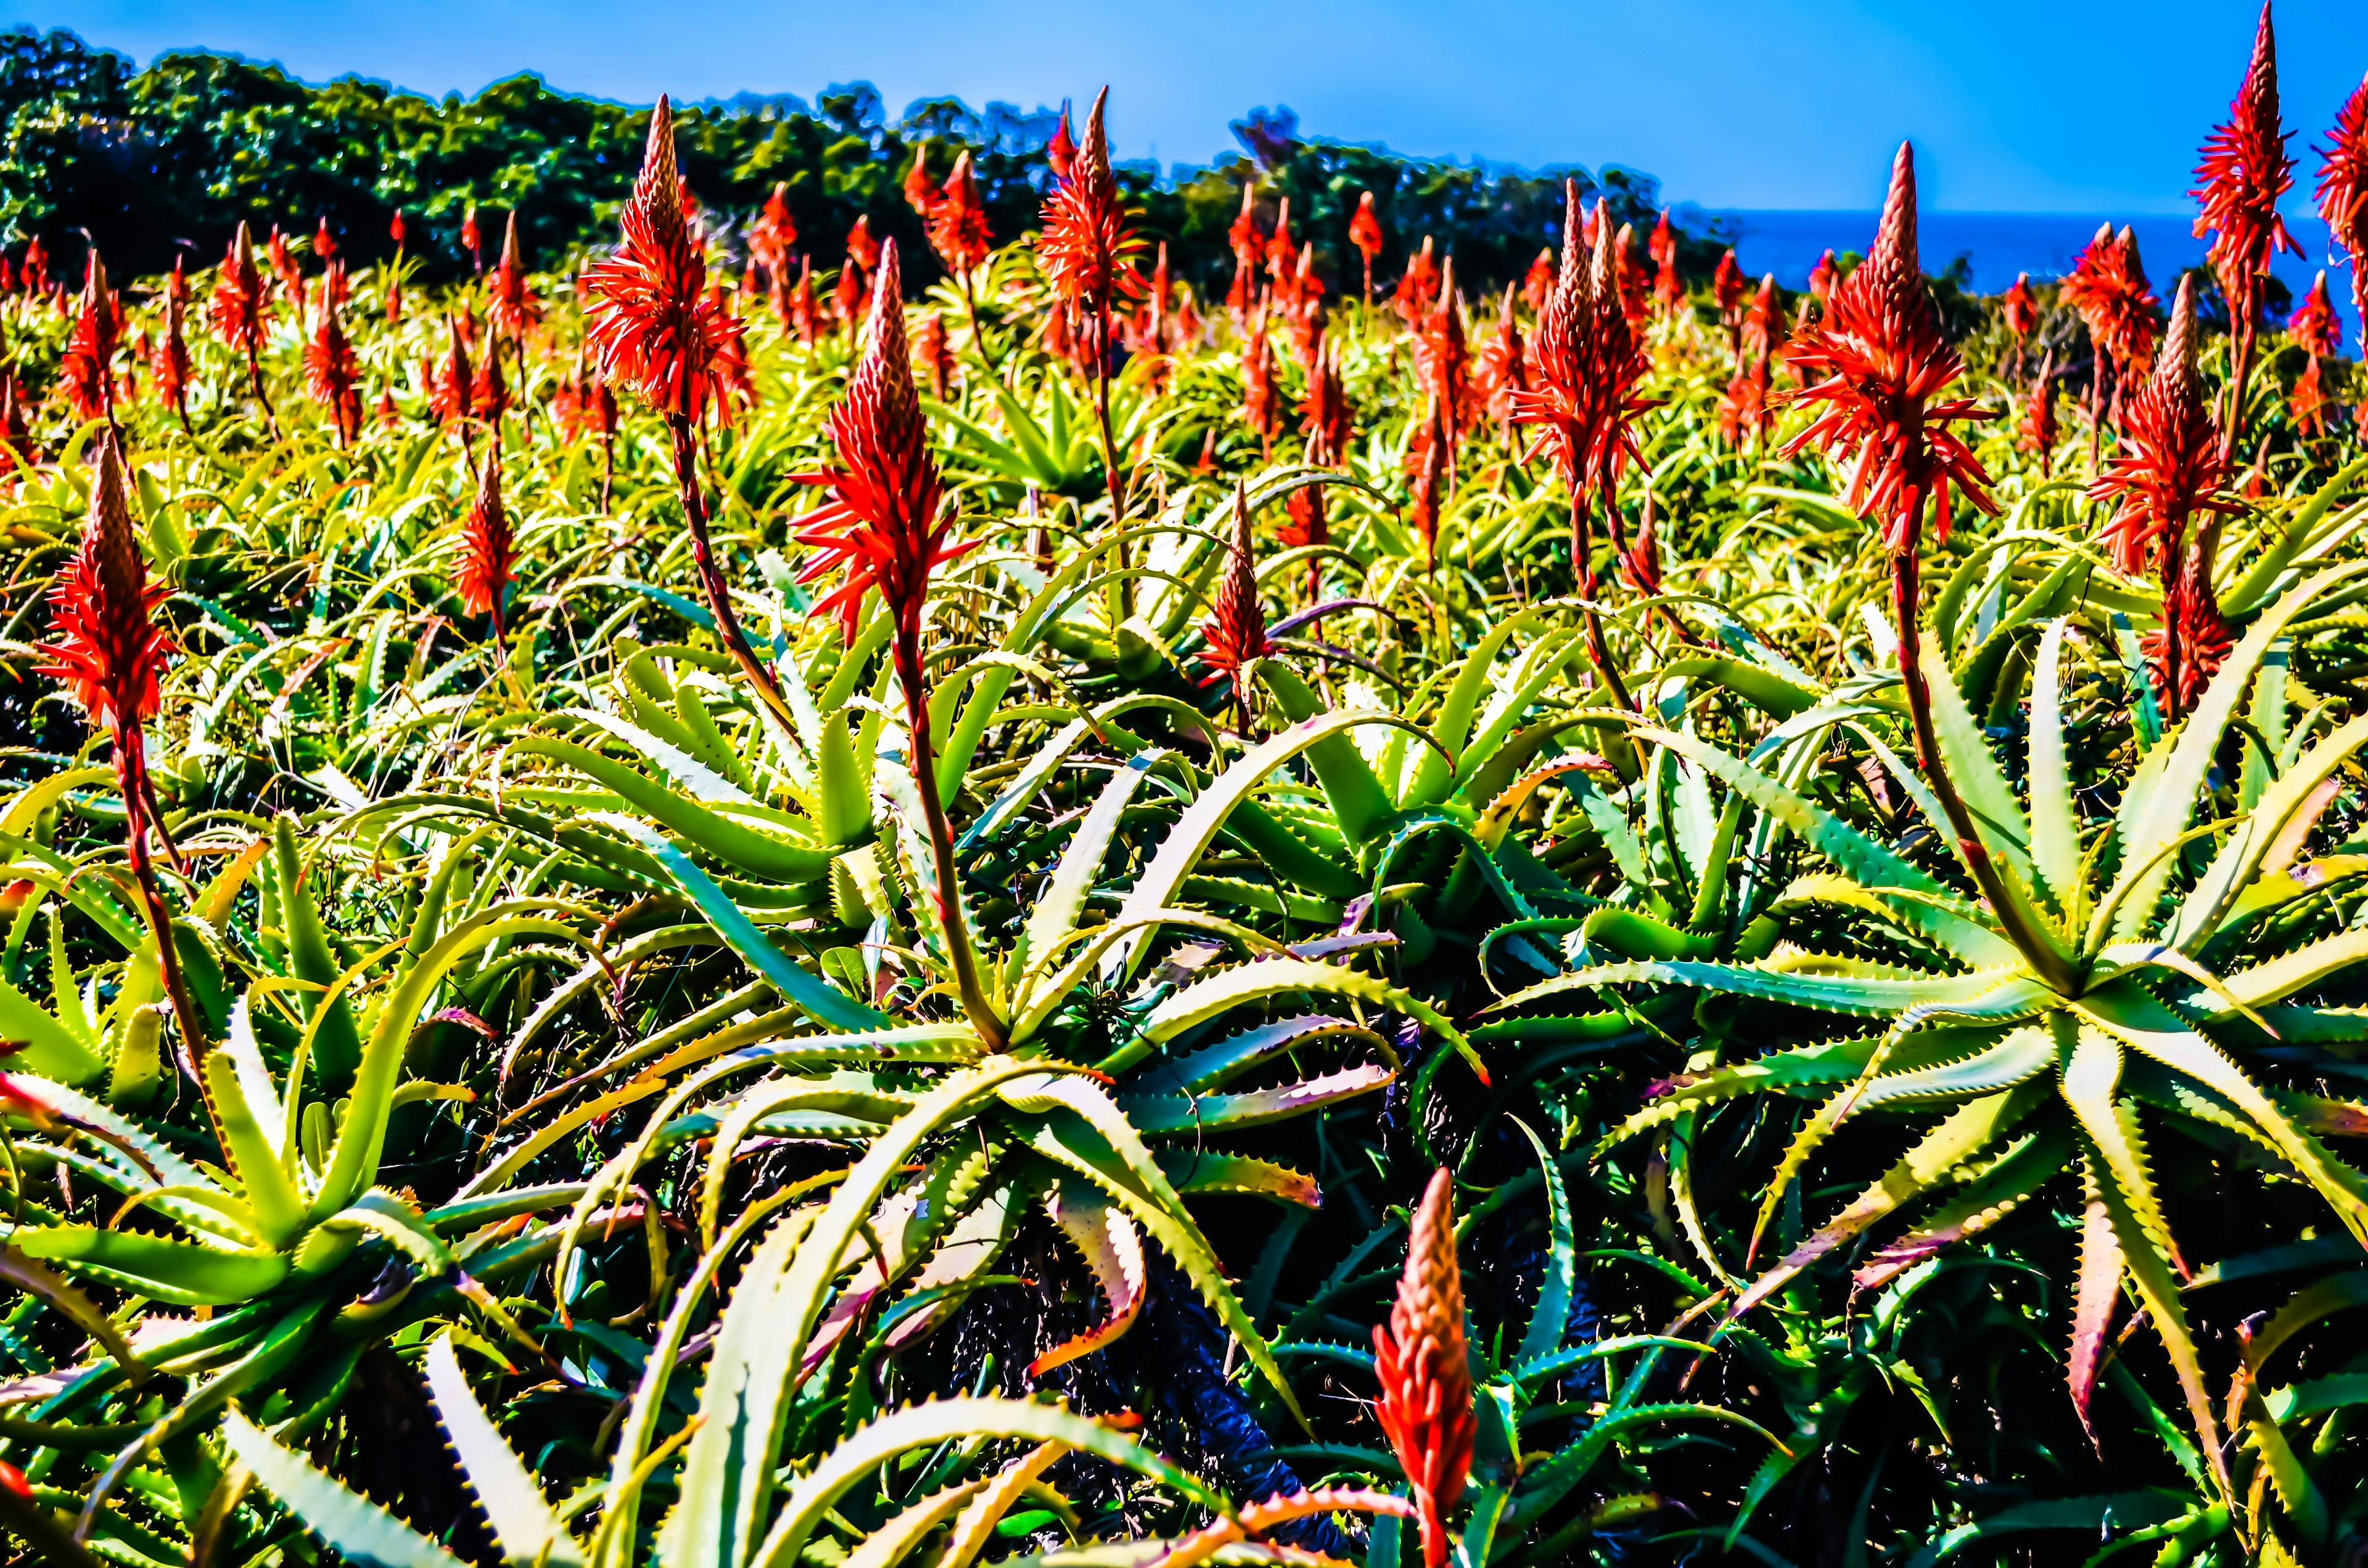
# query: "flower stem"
{"points": [[132, 781], [711, 579], [909, 674]]}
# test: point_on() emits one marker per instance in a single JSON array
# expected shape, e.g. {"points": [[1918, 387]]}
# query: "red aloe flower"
{"points": [[489, 393], [774, 232], [1727, 288], [1305, 523], [1743, 407], [511, 305], [2108, 287], [242, 310], [935, 354], [920, 192], [1872, 366], [2243, 171], [958, 229], [1262, 405], [1325, 417], [2167, 477], [1419, 287], [1086, 241], [2038, 430], [654, 325], [1236, 630], [324, 244], [1425, 1404], [109, 650], [86, 367], [2313, 326], [389, 415], [1635, 287], [1588, 367], [888, 524], [283, 266], [804, 316], [1537, 282], [397, 230], [1243, 238], [1444, 356], [471, 240], [1062, 150], [2343, 193], [1764, 323], [451, 386], [861, 246], [1365, 234], [1501, 373], [1669, 288], [36, 266], [331, 372], [2019, 308], [1281, 250], [170, 366], [2309, 402], [1086, 249], [1821, 279], [487, 549]]}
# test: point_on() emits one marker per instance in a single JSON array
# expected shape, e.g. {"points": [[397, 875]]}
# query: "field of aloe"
{"points": [[676, 907]]}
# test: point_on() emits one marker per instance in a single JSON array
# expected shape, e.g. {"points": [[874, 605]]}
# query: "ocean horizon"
{"points": [[1997, 245]]}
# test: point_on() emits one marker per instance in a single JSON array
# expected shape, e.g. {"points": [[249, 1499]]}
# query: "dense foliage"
{"points": [[655, 919]]}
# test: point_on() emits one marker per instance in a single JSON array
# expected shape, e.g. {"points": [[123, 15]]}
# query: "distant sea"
{"points": [[1999, 244]]}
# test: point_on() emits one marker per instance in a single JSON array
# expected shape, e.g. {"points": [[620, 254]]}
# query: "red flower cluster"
{"points": [[1236, 630], [86, 366], [105, 642], [1426, 1404], [1365, 234], [488, 550], [2108, 285], [1417, 287], [2313, 326], [1587, 370], [2243, 170], [886, 521], [2343, 192], [1872, 366], [242, 302], [332, 373], [2022, 307], [1086, 242], [654, 325], [511, 305]]}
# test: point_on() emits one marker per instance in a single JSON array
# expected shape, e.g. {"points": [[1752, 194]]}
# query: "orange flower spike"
{"points": [[471, 239], [2243, 171], [488, 550], [1417, 287], [1426, 1407], [1821, 279], [958, 227], [106, 644], [2019, 308], [84, 367], [241, 305], [512, 306], [653, 327], [2040, 429], [1365, 234], [1236, 630], [1872, 367], [2169, 466], [1325, 417], [1062, 150], [170, 364], [1086, 242], [2342, 193], [331, 372], [770, 237], [324, 244], [920, 191], [1537, 282], [2314, 326]]}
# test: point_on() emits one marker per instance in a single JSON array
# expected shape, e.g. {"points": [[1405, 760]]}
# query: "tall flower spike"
{"points": [[958, 229], [488, 548], [170, 366], [1821, 279], [2313, 326], [2244, 169], [1417, 287], [884, 523], [1365, 234], [106, 645], [2019, 308], [654, 325], [1425, 1404], [1871, 368], [1086, 242], [86, 366], [2344, 193], [1236, 630], [242, 310], [332, 373], [511, 305]]}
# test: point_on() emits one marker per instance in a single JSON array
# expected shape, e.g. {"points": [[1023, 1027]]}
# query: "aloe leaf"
{"points": [[948, 1420], [2198, 914], [523, 1523], [1360, 805], [2054, 827], [2093, 1517], [1063, 895], [182, 1272], [1155, 1114], [1112, 1250], [2034, 1159], [2270, 563], [1550, 1319], [726, 838], [358, 1530], [822, 1000], [994, 1498]]}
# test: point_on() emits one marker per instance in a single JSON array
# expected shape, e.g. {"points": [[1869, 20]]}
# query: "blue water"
{"points": [[1999, 244]]}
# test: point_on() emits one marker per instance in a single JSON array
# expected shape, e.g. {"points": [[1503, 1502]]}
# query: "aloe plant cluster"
{"points": [[580, 1039]]}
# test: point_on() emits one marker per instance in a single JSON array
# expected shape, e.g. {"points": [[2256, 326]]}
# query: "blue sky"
{"points": [[2071, 106]]}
